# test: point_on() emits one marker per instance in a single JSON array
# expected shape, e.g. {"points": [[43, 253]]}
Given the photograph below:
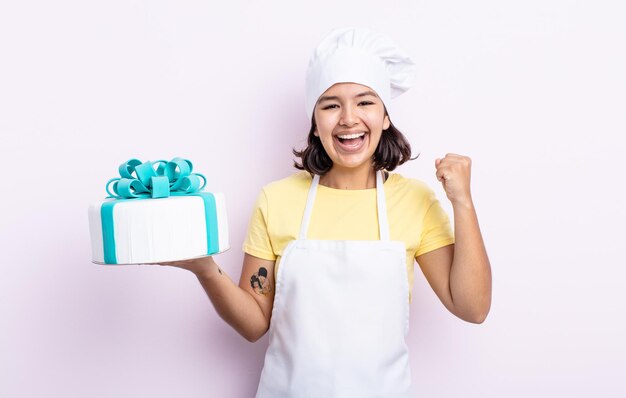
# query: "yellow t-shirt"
{"points": [[415, 217]]}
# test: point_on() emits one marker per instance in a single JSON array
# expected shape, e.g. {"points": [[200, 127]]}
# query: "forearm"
{"points": [[233, 304], [470, 274]]}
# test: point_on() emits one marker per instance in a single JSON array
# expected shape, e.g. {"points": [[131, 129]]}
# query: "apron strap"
{"points": [[306, 218], [381, 207]]}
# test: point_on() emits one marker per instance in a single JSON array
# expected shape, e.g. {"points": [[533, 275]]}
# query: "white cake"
{"points": [[141, 231]]}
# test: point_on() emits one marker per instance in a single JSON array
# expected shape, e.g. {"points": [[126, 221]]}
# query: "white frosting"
{"points": [[157, 230]]}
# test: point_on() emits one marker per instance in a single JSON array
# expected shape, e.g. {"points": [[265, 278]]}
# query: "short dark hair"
{"points": [[392, 150]]}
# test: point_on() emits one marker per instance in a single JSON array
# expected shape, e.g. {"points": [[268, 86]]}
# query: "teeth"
{"points": [[351, 136]]}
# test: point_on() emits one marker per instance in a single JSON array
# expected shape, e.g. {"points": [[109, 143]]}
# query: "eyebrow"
{"points": [[334, 97]]}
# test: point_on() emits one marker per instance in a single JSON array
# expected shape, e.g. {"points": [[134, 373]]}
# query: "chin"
{"points": [[354, 163]]}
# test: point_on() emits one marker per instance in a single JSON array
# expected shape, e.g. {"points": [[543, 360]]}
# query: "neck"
{"points": [[350, 178]]}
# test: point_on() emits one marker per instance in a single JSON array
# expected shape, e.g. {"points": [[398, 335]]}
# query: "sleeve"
{"points": [[257, 242], [436, 229]]}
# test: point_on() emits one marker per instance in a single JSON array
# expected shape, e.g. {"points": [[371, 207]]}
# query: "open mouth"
{"points": [[351, 142]]}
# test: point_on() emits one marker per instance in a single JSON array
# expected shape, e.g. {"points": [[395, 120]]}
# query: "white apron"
{"points": [[340, 317]]}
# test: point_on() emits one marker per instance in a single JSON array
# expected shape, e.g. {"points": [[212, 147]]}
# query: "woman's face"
{"points": [[349, 120]]}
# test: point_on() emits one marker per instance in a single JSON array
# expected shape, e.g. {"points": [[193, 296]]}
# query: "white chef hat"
{"points": [[358, 55]]}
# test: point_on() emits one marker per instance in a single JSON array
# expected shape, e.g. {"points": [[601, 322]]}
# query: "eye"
{"points": [[366, 103], [331, 106]]}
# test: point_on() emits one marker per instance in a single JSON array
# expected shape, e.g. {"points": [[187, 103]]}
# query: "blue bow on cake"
{"points": [[168, 179]]}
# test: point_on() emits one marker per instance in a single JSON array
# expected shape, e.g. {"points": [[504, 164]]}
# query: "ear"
{"points": [[315, 133], [386, 122]]}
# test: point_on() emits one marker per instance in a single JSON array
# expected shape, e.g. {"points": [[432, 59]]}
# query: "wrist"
{"points": [[463, 204], [205, 268]]}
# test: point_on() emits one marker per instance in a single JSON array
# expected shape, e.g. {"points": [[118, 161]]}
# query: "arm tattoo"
{"points": [[260, 282]]}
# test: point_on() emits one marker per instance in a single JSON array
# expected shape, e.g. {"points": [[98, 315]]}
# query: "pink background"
{"points": [[533, 91]]}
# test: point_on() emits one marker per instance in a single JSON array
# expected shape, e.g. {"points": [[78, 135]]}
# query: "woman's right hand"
{"points": [[203, 266]]}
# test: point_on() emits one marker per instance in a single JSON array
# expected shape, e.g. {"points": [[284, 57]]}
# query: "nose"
{"points": [[348, 117]]}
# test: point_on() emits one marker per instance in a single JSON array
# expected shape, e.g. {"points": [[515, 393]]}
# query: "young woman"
{"points": [[330, 250]]}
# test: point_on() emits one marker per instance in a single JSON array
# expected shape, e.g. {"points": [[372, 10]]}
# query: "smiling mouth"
{"points": [[346, 138], [351, 142]]}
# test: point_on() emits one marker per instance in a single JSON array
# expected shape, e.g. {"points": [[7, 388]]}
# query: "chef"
{"points": [[330, 250]]}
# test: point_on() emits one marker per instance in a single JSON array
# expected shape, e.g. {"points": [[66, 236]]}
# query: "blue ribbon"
{"points": [[143, 180], [108, 234], [159, 179]]}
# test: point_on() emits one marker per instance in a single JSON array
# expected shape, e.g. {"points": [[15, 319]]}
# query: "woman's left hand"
{"points": [[454, 173]]}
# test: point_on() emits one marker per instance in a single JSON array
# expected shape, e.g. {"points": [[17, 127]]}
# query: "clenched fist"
{"points": [[454, 173]]}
